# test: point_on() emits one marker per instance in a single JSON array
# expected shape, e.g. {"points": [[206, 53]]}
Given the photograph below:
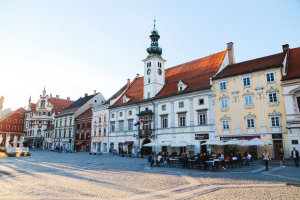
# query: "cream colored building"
{"points": [[249, 103]]}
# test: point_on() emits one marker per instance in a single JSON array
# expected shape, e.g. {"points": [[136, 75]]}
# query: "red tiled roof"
{"points": [[20, 110], [32, 105], [293, 67], [60, 104], [251, 66], [87, 113], [196, 74], [118, 93]]}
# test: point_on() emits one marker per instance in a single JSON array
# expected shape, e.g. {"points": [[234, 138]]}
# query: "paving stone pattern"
{"points": [[51, 175]]}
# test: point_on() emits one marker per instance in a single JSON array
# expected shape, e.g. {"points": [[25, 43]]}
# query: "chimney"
{"points": [[128, 82], [285, 47], [57, 96], [95, 92], [50, 95], [86, 94], [68, 98], [137, 75], [230, 50]]}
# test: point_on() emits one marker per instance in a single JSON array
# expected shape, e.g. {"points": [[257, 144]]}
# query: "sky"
{"points": [[75, 47]]}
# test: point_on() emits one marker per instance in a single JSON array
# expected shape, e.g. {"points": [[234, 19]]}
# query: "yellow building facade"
{"points": [[249, 104]]}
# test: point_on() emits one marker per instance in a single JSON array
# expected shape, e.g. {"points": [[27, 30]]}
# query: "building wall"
{"points": [[261, 111]]}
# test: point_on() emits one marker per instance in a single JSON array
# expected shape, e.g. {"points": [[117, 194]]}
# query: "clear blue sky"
{"points": [[73, 47]]}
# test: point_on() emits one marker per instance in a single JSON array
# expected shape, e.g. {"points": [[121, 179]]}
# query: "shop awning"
{"points": [[127, 143], [181, 144]]}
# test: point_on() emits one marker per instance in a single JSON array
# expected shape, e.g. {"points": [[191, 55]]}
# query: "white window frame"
{"points": [[181, 103], [266, 75], [251, 122], [269, 99], [271, 121], [163, 107], [130, 124], [201, 121], [164, 122], [181, 120], [250, 83], [224, 100], [112, 126], [225, 124], [199, 101], [121, 128], [247, 100], [224, 83]]}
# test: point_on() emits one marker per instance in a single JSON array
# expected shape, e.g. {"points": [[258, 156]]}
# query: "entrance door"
{"points": [[146, 150], [203, 148], [277, 145]]}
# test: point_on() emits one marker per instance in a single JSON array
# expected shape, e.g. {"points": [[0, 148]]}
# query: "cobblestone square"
{"points": [[51, 175]]}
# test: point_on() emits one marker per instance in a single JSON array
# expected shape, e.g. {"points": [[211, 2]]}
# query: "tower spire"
{"points": [[154, 49], [44, 92]]}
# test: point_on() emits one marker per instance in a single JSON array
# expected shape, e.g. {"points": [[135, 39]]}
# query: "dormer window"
{"points": [[181, 86]]}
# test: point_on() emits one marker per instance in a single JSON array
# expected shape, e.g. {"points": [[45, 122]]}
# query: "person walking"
{"points": [[295, 156], [281, 157], [266, 159]]}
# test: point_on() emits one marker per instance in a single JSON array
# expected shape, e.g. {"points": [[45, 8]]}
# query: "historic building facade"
{"points": [[83, 131], [249, 102], [171, 107], [39, 116], [291, 91], [12, 125], [65, 126]]}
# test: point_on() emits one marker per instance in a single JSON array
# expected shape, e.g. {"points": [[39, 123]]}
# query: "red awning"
{"points": [[127, 143]]}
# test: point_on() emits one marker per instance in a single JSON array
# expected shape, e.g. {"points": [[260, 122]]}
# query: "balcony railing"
{"points": [[146, 132]]}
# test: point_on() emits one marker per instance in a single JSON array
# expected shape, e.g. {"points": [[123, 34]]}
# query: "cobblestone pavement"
{"points": [[51, 175]]}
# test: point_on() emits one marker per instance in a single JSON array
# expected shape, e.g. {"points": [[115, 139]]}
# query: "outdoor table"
{"points": [[174, 161]]}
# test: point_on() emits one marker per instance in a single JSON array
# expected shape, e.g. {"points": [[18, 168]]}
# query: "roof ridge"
{"points": [[196, 60]]}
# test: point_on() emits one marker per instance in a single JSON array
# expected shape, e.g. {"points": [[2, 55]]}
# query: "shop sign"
{"points": [[276, 136], [201, 136], [239, 138]]}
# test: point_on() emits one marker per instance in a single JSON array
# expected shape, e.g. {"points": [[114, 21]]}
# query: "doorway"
{"points": [[203, 148], [146, 150], [277, 145]]}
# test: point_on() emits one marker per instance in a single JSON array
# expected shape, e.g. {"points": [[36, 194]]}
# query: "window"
{"points": [[225, 124], [246, 81], [95, 132], [149, 80], [130, 112], [275, 121], [224, 103], [248, 100], [8, 120], [112, 124], [40, 123], [44, 113], [104, 131], [83, 125], [223, 86], [164, 121], [270, 77], [99, 119], [21, 115], [100, 131], [180, 88], [121, 126], [148, 95], [20, 128], [130, 125], [201, 119], [15, 120], [181, 120], [201, 101], [39, 113], [14, 127], [250, 123], [21, 121], [148, 64], [273, 97], [181, 104], [0, 126], [121, 114], [112, 115], [163, 107], [49, 114], [7, 127], [78, 126], [294, 141]]}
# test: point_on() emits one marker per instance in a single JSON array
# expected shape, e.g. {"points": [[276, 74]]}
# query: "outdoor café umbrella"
{"points": [[152, 144], [234, 142], [256, 142], [214, 142]]}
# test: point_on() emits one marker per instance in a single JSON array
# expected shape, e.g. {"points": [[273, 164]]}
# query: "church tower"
{"points": [[154, 67]]}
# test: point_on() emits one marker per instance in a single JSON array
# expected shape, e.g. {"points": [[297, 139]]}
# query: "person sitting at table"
{"points": [[228, 160], [150, 160], [248, 159], [205, 158], [239, 159]]}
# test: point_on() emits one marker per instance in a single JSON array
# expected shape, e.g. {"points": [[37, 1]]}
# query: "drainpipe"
{"points": [[138, 135]]}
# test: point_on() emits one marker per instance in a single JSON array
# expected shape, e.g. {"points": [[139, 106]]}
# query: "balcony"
{"points": [[146, 132]]}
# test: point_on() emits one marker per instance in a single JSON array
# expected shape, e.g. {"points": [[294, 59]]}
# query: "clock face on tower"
{"points": [[149, 71], [159, 71]]}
